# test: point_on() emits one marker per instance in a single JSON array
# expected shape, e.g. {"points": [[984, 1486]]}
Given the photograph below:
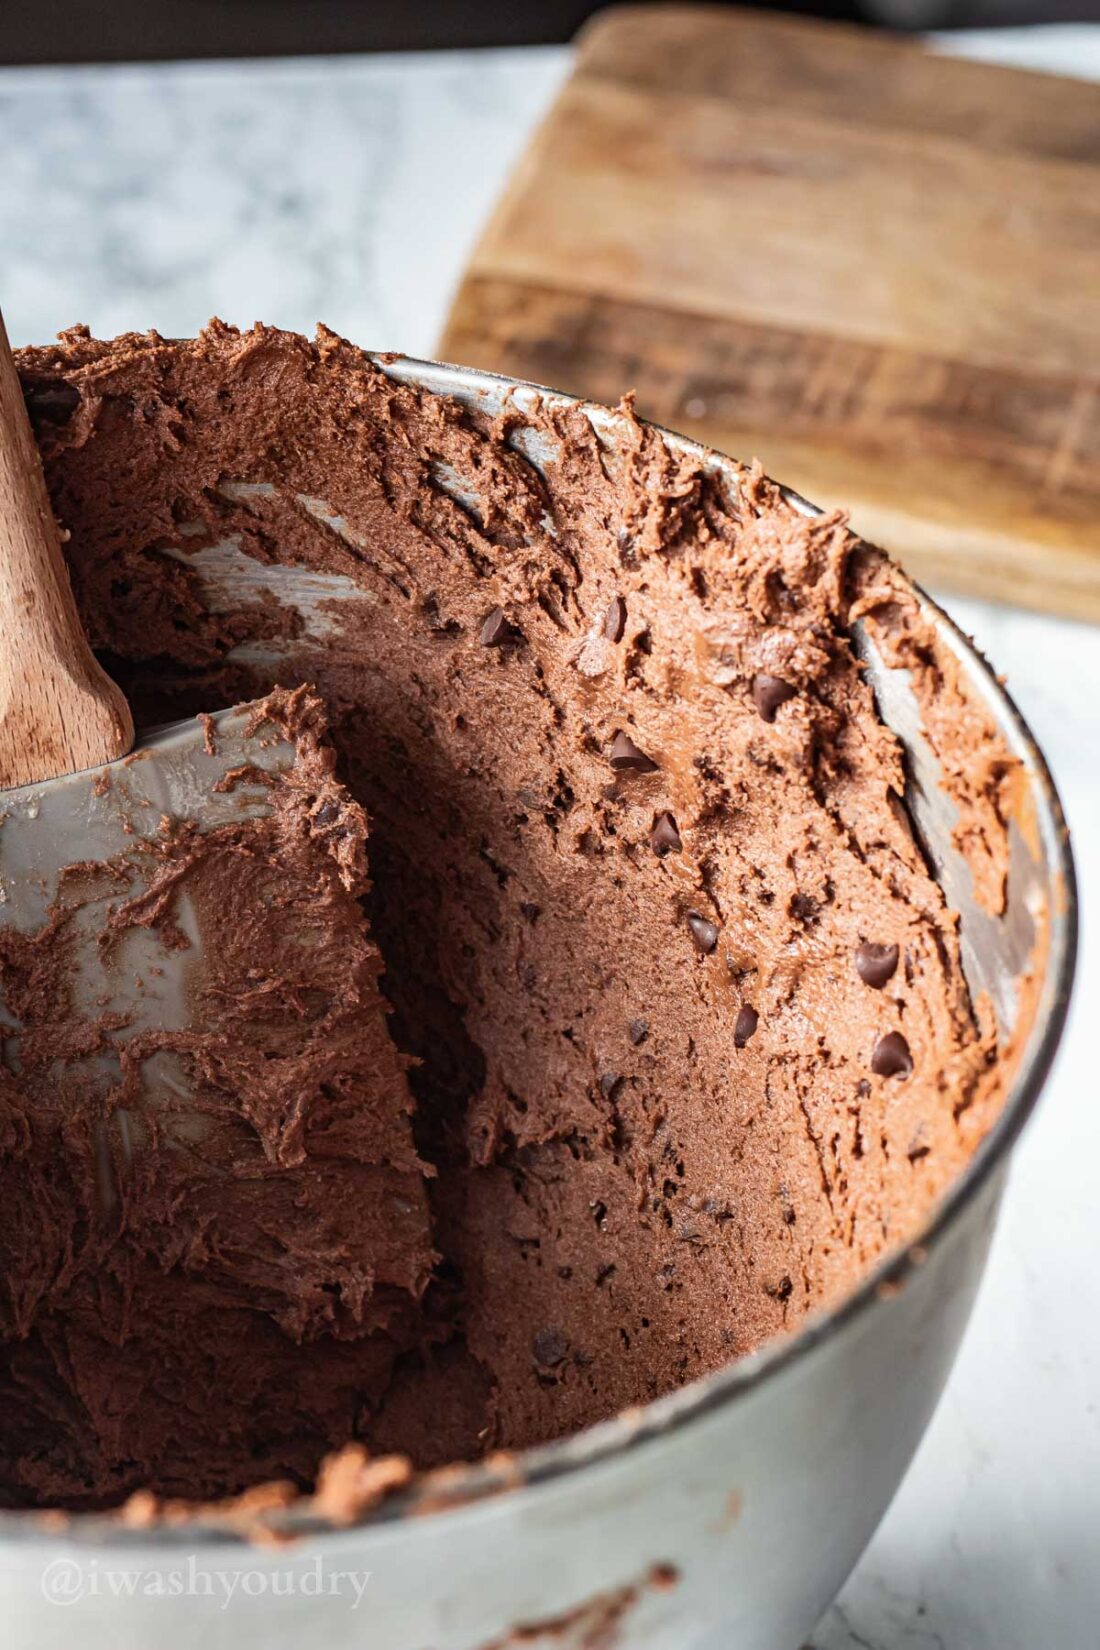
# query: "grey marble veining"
{"points": [[349, 190], [345, 190]]}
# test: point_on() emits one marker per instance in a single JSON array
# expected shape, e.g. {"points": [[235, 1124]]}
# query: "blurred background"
{"points": [[96, 31]]}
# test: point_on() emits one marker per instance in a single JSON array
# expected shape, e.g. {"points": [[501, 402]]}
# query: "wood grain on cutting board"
{"points": [[876, 269]]}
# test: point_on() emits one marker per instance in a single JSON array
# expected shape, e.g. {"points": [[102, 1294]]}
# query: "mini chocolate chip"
{"points": [[875, 964], [704, 933], [804, 907], [891, 1057], [550, 1348], [495, 629], [769, 692], [609, 1082], [747, 1021], [665, 837], [638, 1031], [626, 757], [438, 625], [327, 814], [614, 620]]}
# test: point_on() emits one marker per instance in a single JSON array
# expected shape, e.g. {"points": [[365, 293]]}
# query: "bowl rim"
{"points": [[450, 1491]]}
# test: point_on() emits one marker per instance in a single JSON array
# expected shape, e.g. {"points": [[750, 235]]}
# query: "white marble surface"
{"points": [[348, 190]]}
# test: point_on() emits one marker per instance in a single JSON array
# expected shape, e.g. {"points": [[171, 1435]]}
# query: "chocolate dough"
{"points": [[687, 1040], [214, 1243]]}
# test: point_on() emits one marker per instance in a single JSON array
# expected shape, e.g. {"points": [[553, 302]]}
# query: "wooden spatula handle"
{"points": [[59, 711]]}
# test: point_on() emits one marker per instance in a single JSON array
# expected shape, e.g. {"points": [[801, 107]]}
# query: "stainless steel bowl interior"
{"points": [[1041, 911]]}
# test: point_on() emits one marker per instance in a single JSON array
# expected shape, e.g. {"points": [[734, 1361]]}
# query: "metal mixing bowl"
{"points": [[726, 1515]]}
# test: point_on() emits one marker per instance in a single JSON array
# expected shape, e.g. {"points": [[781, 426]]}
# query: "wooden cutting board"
{"points": [[874, 268]]}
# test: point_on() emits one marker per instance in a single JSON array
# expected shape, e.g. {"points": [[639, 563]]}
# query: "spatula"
{"points": [[78, 815], [59, 711]]}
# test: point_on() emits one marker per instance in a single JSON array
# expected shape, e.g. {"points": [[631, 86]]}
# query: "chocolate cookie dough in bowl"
{"points": [[724, 913]]}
